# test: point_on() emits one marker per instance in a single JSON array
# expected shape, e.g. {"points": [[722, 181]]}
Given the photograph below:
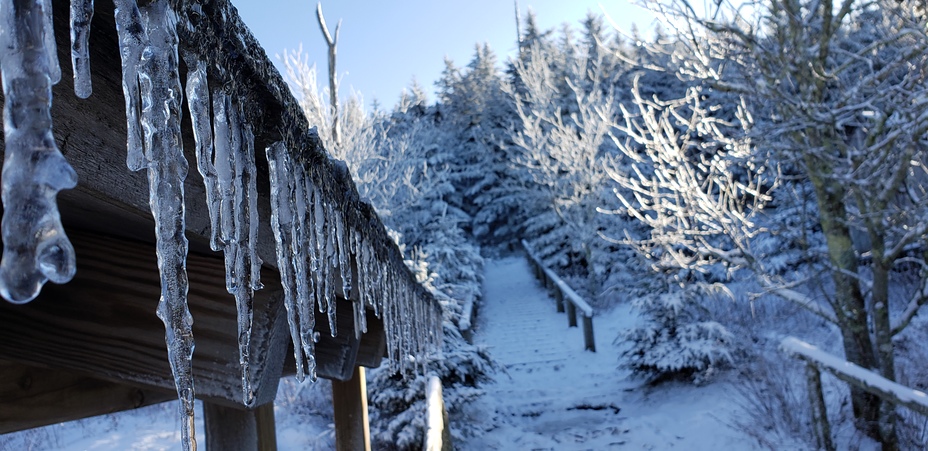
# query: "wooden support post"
{"points": [[571, 314], [588, 341], [352, 431], [437, 431], [230, 428], [559, 300], [819, 412]]}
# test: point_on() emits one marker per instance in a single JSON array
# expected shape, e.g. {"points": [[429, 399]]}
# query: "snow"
{"points": [[434, 409], [558, 396]]}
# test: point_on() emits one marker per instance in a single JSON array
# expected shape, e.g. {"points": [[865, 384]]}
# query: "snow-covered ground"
{"points": [[558, 396], [553, 394]]}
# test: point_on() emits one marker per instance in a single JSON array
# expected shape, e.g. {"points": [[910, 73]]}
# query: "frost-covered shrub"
{"points": [[674, 338], [398, 408]]}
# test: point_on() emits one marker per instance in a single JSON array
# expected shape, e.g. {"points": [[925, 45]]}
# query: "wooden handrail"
{"points": [[437, 433], [818, 360], [563, 292]]}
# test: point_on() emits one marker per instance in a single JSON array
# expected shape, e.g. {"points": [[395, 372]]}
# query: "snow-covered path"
{"points": [[558, 396]]}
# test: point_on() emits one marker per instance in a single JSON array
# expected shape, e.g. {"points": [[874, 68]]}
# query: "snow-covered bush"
{"points": [[398, 407], [674, 339]]}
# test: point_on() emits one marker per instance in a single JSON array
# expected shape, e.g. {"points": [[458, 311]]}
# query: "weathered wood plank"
{"points": [[103, 323], [352, 430], [232, 429], [336, 356], [32, 397], [373, 345]]}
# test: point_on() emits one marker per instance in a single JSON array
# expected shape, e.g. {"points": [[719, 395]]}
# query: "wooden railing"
{"points": [[437, 432], [562, 293], [818, 360]]}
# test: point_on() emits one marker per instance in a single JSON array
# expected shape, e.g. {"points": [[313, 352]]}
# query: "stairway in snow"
{"points": [[555, 395]]}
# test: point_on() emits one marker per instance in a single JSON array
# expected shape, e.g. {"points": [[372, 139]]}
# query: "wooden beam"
{"points": [[32, 397], [349, 398], [103, 323], [373, 345], [336, 356], [229, 428]]}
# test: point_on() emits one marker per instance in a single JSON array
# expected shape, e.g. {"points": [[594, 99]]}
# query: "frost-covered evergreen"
{"points": [[675, 338]]}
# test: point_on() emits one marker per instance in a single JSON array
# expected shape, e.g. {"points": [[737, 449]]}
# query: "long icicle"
{"points": [[282, 223], [133, 38], [35, 247], [198, 103], [161, 103], [304, 276], [247, 263], [81, 15], [51, 49]]}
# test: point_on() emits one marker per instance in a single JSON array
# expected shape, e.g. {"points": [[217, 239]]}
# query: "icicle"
{"points": [[133, 38], [361, 324], [160, 89], [198, 103], [251, 185], [223, 163], [344, 254], [282, 223], [243, 246], [234, 163], [35, 247], [51, 48], [331, 264], [81, 15], [306, 287]]}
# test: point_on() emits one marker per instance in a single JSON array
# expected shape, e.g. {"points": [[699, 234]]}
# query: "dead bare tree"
{"points": [[332, 42]]}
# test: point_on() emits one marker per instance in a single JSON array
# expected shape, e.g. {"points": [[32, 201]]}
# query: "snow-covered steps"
{"points": [[554, 395]]}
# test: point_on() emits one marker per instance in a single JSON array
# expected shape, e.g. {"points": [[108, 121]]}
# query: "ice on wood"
{"points": [[35, 247], [81, 15], [160, 91]]}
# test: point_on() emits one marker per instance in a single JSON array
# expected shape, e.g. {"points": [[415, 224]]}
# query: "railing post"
{"points": [[819, 413], [559, 300], [571, 314], [588, 341]]}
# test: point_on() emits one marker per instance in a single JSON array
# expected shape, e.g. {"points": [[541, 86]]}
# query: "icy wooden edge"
{"points": [[857, 376], [568, 292], [438, 434]]}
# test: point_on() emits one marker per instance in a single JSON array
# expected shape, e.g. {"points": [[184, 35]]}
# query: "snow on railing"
{"points": [[437, 431], [322, 239], [866, 380], [563, 292], [853, 374]]}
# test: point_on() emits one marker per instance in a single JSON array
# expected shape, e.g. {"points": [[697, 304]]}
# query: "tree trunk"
{"points": [[883, 337], [850, 308]]}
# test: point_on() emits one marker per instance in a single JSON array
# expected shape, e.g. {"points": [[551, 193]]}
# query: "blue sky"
{"points": [[384, 44]]}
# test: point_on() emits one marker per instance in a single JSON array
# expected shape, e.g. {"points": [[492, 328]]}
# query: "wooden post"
{"points": [[352, 431], [588, 341], [230, 428], [819, 413], [571, 313], [559, 300], [438, 433]]}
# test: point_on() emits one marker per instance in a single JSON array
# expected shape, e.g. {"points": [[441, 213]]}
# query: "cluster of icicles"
{"points": [[316, 248]]}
